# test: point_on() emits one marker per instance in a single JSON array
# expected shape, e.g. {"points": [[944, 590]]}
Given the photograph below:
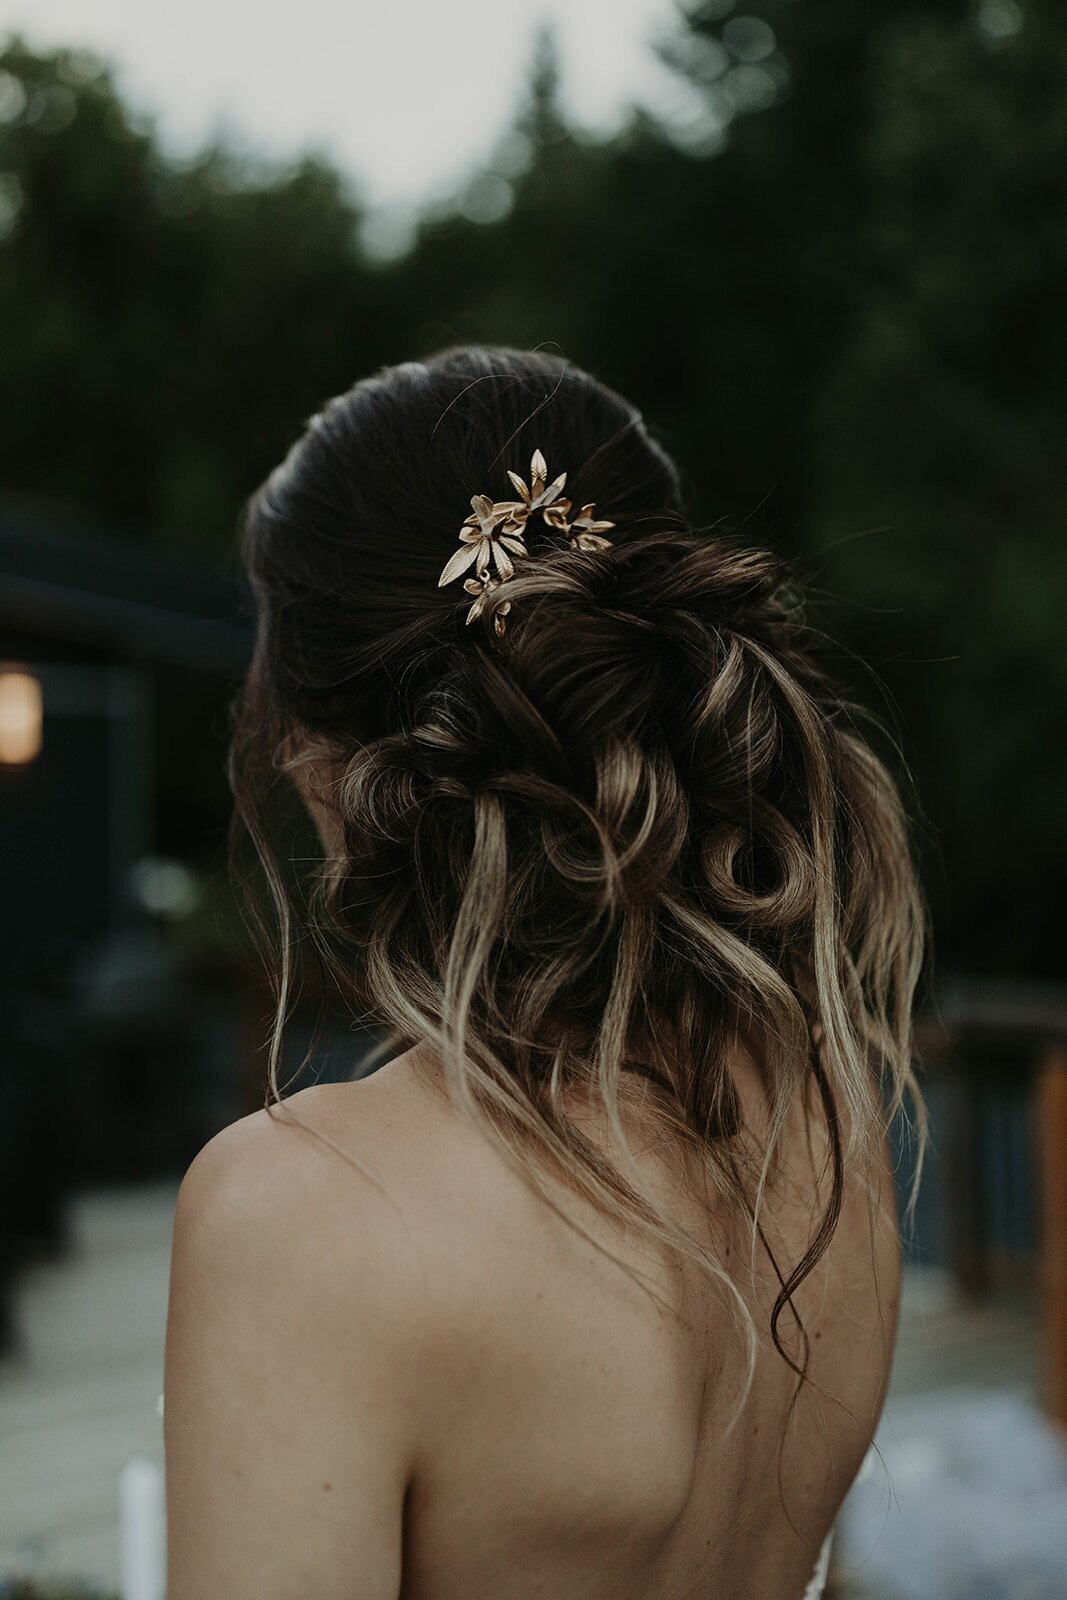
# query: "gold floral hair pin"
{"points": [[492, 535]]}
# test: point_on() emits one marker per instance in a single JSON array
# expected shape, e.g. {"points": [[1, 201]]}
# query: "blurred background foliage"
{"points": [[837, 293]]}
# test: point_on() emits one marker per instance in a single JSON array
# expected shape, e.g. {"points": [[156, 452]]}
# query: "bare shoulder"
{"points": [[325, 1163], [358, 1173], [295, 1332]]}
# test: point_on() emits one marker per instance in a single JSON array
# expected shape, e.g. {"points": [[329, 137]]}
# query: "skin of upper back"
{"points": [[562, 1431]]}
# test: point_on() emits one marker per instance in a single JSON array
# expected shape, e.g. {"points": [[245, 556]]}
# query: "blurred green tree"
{"points": [[833, 282], [940, 423], [166, 327]]}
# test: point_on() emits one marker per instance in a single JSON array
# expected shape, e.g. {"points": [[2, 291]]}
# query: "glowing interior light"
{"points": [[21, 718]]}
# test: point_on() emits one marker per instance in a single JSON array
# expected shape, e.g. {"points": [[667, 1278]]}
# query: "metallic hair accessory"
{"points": [[493, 533]]}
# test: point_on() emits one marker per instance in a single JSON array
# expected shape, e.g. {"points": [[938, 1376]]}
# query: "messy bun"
{"points": [[640, 822]]}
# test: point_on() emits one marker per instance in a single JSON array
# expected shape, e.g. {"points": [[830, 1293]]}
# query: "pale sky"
{"points": [[406, 95]]}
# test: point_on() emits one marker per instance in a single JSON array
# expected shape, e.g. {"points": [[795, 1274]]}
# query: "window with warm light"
{"points": [[21, 718]]}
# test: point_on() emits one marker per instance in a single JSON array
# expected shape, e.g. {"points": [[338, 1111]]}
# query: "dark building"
{"points": [[116, 665]]}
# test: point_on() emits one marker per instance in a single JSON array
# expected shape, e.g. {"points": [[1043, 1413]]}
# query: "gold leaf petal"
{"points": [[587, 521], [457, 563], [504, 564], [549, 494], [538, 466]]}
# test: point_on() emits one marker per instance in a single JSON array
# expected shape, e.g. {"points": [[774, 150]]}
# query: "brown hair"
{"points": [[642, 822]]}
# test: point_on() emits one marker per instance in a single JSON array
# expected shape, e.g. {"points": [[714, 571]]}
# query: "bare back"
{"points": [[573, 1430]]}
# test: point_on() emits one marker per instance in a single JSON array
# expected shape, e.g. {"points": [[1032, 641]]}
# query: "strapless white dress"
{"points": [[817, 1582]]}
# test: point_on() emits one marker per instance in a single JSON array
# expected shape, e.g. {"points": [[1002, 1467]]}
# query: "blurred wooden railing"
{"points": [[1023, 1024]]}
